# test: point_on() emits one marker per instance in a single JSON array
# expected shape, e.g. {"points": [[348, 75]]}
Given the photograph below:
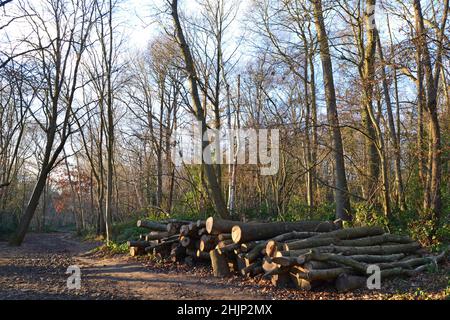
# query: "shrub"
{"points": [[368, 215], [117, 248]]}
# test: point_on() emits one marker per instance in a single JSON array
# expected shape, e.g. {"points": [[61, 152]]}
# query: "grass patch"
{"points": [[117, 248], [122, 232]]}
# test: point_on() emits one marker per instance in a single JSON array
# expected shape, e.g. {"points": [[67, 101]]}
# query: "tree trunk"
{"points": [[374, 130], [397, 154], [19, 235], [214, 188], [432, 193], [110, 125], [341, 190]]}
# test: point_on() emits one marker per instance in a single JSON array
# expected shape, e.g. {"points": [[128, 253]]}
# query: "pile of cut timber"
{"points": [[302, 254], [342, 257], [177, 240]]}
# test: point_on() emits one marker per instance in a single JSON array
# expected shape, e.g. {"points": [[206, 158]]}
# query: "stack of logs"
{"points": [[177, 240], [303, 254]]}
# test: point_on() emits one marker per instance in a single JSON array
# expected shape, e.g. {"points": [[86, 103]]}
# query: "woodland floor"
{"points": [[37, 270]]}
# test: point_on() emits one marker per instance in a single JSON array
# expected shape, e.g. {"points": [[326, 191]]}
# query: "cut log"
{"points": [[376, 240], [193, 227], [256, 252], [207, 242], [274, 271], [262, 231], [200, 224], [189, 261], [377, 258], [272, 247], [137, 251], [184, 230], [362, 267], [224, 243], [252, 269], [232, 265], [138, 243], [190, 230], [191, 252], [185, 241], [406, 264], [345, 261], [217, 226], [174, 227], [161, 252], [268, 265], [224, 236], [163, 246], [299, 283], [178, 253], [203, 255], [369, 250], [320, 265], [379, 249], [309, 243], [346, 282], [196, 256], [282, 280], [228, 248], [219, 264], [201, 232], [246, 247], [352, 233], [156, 235], [294, 235], [326, 274], [156, 226], [367, 241], [241, 262], [286, 261], [165, 221]]}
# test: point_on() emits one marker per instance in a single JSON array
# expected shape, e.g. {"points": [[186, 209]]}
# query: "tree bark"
{"points": [[397, 152], [432, 193], [219, 264], [370, 250], [262, 231], [214, 188], [217, 226], [343, 210], [151, 225]]}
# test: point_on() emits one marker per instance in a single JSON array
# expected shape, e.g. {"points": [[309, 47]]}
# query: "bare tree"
{"points": [[432, 190], [211, 176], [2, 3], [72, 23], [341, 191]]}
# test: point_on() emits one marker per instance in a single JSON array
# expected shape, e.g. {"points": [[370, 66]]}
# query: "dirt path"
{"points": [[37, 270]]}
